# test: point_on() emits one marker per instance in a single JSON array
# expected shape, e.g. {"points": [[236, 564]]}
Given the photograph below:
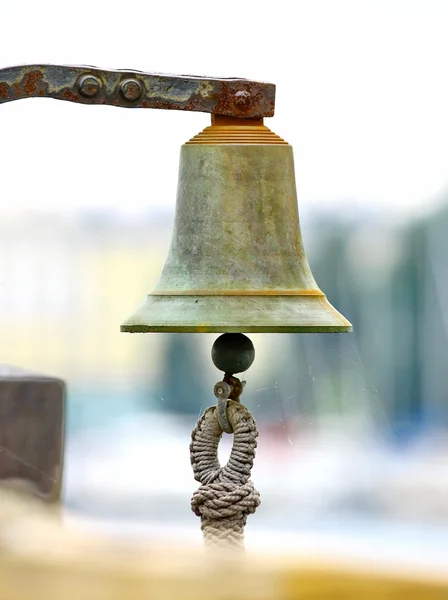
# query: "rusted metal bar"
{"points": [[31, 433], [235, 97]]}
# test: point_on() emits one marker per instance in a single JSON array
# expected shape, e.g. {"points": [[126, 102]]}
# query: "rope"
{"points": [[226, 496]]}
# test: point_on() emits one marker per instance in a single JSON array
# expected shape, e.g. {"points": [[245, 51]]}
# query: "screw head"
{"points": [[89, 86], [131, 89]]}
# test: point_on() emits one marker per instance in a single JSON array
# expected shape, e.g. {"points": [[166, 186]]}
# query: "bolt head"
{"points": [[222, 390], [131, 89], [242, 100], [89, 86]]}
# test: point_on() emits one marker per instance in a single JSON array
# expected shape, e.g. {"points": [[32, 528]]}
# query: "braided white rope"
{"points": [[226, 496]]}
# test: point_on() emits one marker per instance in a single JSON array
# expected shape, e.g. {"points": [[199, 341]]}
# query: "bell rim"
{"points": [[140, 328], [236, 292], [236, 314]]}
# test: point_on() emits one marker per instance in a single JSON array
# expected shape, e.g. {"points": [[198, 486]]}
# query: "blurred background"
{"points": [[353, 450]]}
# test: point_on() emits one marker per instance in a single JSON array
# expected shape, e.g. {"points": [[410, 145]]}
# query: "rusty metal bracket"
{"points": [[135, 89]]}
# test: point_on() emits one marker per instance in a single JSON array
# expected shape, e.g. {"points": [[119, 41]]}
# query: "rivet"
{"points": [[242, 100], [89, 86], [131, 89]]}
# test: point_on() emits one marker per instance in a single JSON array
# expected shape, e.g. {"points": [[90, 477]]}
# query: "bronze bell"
{"points": [[237, 261]]}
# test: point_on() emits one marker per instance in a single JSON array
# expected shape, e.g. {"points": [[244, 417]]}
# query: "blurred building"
{"points": [[67, 282], [392, 284]]}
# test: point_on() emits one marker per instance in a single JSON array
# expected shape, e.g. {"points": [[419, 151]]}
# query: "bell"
{"points": [[236, 261]]}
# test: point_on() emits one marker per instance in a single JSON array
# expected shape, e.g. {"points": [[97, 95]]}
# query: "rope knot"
{"points": [[226, 496], [225, 501]]}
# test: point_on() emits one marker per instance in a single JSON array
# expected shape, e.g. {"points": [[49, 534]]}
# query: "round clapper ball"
{"points": [[233, 353]]}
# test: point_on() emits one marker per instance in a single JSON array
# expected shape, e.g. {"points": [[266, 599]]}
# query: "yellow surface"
{"points": [[40, 560]]}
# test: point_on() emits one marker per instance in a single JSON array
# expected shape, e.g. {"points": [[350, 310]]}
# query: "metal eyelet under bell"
{"points": [[230, 388]]}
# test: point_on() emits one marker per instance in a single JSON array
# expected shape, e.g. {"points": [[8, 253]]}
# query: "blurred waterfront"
{"points": [[352, 427]]}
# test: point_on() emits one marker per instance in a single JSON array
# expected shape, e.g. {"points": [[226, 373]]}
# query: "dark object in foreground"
{"points": [[31, 432]]}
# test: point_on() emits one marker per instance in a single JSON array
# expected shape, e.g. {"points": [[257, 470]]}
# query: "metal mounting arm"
{"points": [[134, 89]]}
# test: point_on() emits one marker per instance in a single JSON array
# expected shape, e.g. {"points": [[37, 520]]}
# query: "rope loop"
{"points": [[226, 495]]}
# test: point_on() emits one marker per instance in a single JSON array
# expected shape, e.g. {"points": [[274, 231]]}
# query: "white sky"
{"points": [[362, 94]]}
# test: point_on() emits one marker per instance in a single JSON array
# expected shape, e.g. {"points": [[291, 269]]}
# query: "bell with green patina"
{"points": [[237, 261]]}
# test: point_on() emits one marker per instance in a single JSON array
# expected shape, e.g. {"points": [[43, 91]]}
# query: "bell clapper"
{"points": [[231, 353]]}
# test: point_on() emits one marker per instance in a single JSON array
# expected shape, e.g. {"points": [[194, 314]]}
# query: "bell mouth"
{"points": [[236, 263], [237, 314]]}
